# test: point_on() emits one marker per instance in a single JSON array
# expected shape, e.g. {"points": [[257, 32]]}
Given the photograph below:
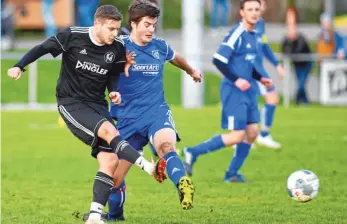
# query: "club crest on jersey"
{"points": [[155, 54], [109, 57]]}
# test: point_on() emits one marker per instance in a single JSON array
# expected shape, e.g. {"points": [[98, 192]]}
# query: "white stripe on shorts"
{"points": [[73, 121]]}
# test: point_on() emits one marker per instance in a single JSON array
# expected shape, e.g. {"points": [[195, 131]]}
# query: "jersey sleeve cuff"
{"points": [[173, 57]]}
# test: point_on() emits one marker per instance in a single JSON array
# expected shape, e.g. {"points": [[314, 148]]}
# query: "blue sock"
{"points": [[213, 144], [268, 114], [240, 155], [174, 167], [264, 133], [116, 202]]}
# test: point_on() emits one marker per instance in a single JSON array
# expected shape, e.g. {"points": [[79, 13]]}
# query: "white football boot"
{"points": [[267, 141], [94, 221]]}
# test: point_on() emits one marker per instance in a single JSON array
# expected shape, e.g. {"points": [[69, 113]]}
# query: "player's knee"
{"points": [[107, 131], [238, 138], [234, 137], [166, 147], [272, 98], [119, 176], [252, 135], [118, 180]]}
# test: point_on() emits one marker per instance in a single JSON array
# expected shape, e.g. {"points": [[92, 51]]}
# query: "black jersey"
{"points": [[87, 67]]}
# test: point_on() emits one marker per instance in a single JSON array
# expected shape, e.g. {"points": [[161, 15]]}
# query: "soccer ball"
{"points": [[303, 185]]}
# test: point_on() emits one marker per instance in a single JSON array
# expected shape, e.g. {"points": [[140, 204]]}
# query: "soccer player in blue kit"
{"points": [[238, 60], [270, 95], [143, 115]]}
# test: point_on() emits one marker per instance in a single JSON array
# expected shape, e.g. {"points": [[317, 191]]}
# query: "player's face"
{"points": [[251, 12], [108, 30], [145, 29]]}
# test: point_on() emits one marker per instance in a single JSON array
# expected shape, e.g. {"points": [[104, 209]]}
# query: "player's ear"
{"points": [[98, 21], [241, 13], [133, 25]]}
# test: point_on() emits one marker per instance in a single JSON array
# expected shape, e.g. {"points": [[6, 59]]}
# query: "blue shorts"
{"points": [[239, 109], [261, 89], [138, 132]]}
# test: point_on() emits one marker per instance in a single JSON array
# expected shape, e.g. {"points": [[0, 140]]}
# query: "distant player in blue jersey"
{"points": [[237, 59], [270, 95], [143, 116]]}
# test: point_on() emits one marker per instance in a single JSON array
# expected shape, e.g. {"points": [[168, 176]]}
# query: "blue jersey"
{"points": [[265, 49], [143, 92], [339, 44], [260, 27], [238, 53]]}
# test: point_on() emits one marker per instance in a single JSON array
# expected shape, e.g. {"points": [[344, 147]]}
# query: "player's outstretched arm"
{"points": [[54, 45], [269, 55], [180, 62], [35, 53]]}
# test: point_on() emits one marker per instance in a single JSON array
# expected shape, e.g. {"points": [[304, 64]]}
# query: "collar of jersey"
{"points": [[245, 29], [142, 47], [92, 39]]}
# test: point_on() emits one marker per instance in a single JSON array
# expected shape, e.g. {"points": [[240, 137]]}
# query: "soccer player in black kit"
{"points": [[92, 58]]}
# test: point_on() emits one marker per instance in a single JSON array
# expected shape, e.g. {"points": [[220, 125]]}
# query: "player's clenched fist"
{"points": [[242, 84], [14, 73], [115, 97], [266, 82]]}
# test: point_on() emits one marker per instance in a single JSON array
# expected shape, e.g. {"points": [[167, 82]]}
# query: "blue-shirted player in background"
{"points": [[143, 115], [237, 59], [270, 95]]}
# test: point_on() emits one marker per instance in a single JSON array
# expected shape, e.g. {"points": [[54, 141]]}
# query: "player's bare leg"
{"points": [[251, 133], [110, 134], [164, 141], [108, 162]]}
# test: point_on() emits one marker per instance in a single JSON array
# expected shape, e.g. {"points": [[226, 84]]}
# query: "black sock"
{"points": [[102, 188], [124, 150]]}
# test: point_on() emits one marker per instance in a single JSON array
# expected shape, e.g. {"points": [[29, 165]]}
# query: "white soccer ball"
{"points": [[303, 185]]}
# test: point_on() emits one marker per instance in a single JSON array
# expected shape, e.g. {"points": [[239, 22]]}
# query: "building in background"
{"points": [[29, 15]]}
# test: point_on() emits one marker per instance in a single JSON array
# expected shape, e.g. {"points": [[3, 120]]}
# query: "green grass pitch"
{"points": [[47, 174]]}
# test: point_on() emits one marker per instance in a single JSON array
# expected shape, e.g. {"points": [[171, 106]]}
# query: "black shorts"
{"points": [[84, 120]]}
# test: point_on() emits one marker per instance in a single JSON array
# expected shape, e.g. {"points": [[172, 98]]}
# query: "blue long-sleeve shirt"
{"points": [[264, 45]]}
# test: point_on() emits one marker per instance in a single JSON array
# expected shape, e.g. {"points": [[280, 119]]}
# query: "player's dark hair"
{"points": [[108, 12], [242, 2], [142, 8]]}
